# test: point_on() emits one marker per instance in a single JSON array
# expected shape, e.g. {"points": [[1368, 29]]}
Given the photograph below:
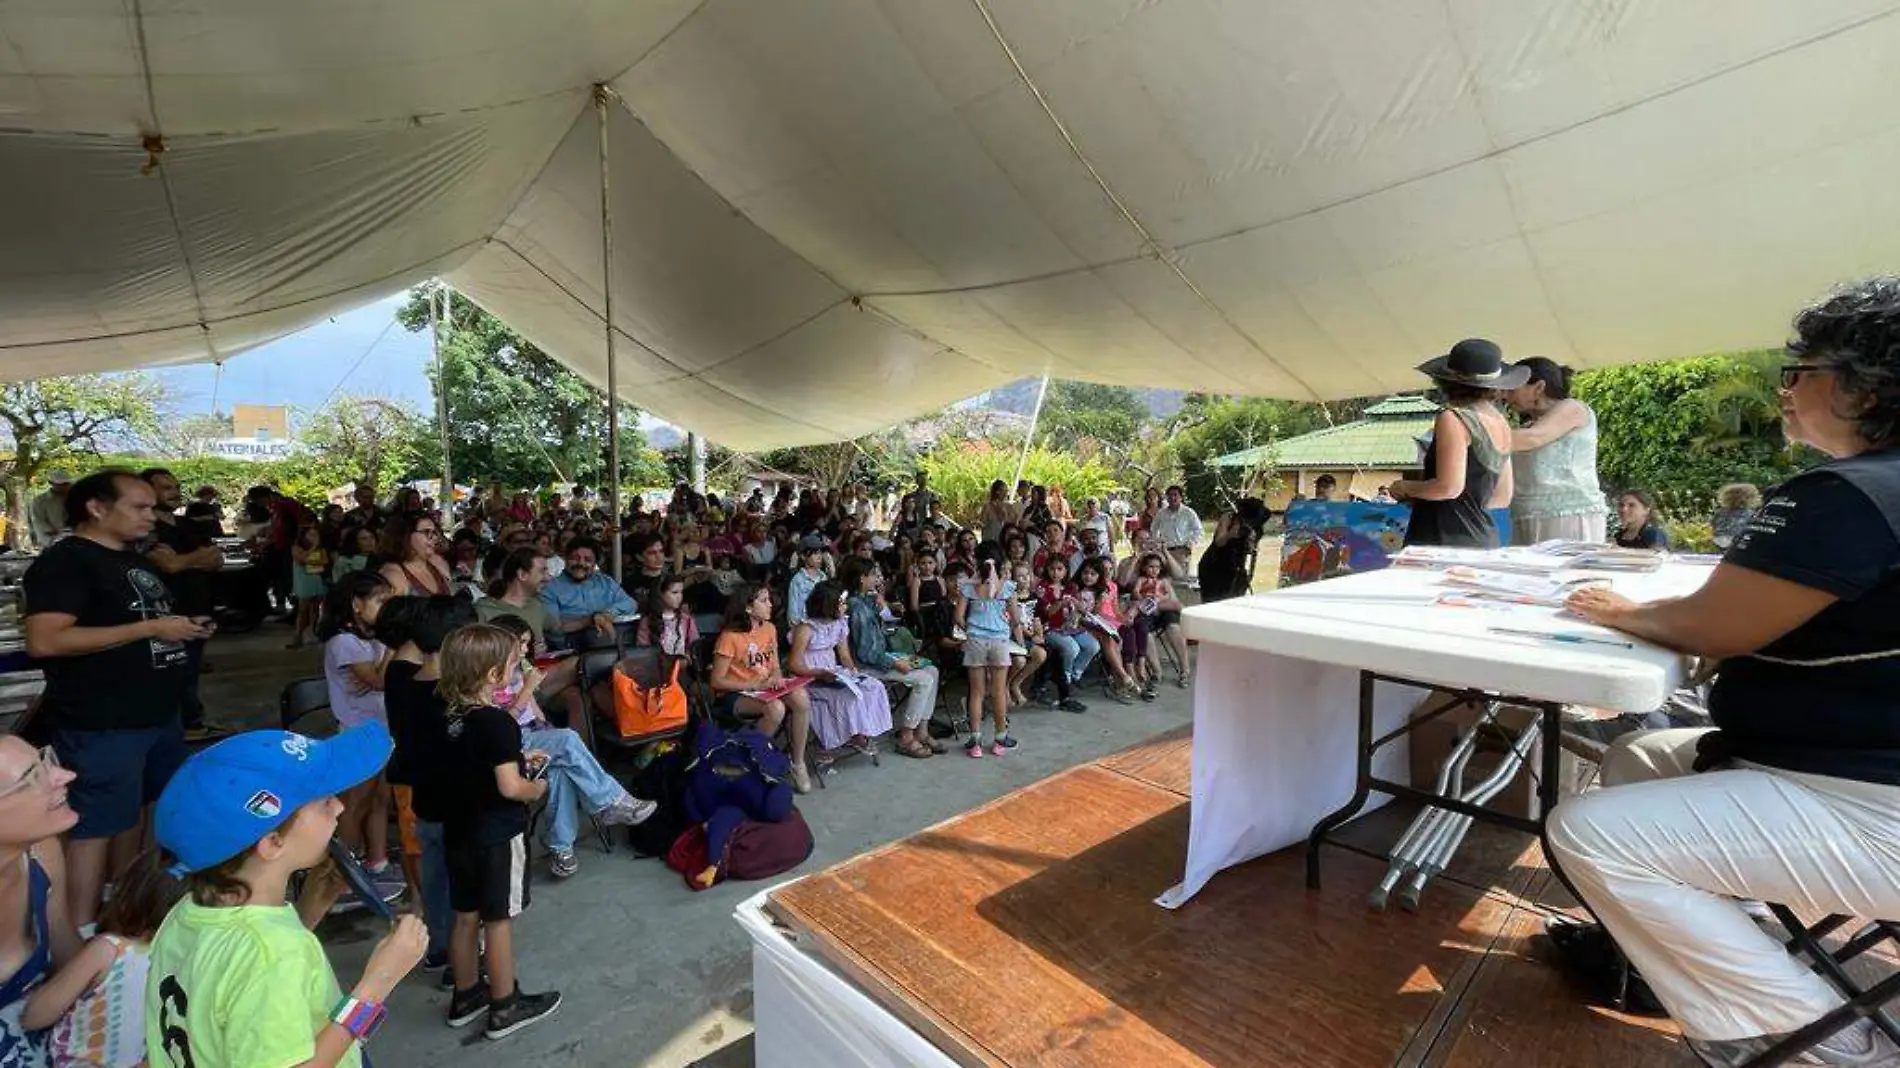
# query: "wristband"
{"points": [[359, 1018]]}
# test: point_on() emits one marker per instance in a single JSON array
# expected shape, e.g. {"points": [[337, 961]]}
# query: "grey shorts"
{"points": [[985, 652]]}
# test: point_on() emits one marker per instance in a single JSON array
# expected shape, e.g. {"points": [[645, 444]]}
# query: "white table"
{"points": [[1281, 677]]}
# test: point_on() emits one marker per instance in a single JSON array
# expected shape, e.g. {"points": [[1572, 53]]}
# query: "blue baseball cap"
{"points": [[228, 797]]}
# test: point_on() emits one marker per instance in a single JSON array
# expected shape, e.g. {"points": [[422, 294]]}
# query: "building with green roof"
{"points": [[1379, 447]]}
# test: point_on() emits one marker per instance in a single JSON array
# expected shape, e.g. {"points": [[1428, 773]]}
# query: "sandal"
{"points": [[937, 745], [915, 749]]}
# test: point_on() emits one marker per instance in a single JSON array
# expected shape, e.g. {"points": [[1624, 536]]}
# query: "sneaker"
{"points": [[481, 976], [467, 1006], [435, 962], [204, 732], [1181, 679], [973, 748], [1149, 691], [1002, 745], [1070, 704], [801, 779], [1859, 1045], [563, 864], [521, 1010], [388, 880], [626, 812]]}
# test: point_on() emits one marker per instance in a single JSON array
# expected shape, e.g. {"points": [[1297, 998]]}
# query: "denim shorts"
{"points": [[985, 652], [118, 772]]}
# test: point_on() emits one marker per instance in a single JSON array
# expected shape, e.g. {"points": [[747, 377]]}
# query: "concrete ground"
{"points": [[650, 973]]}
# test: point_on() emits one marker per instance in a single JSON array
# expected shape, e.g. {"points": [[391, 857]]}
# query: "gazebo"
{"points": [[1379, 447]]}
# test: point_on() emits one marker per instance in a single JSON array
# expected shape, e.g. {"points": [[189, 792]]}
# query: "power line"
{"points": [[359, 362]]}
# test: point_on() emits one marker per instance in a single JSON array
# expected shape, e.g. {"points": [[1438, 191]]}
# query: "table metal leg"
{"points": [[1361, 791]]}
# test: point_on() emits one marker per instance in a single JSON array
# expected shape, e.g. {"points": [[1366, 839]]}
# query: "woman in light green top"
{"points": [[1554, 461]]}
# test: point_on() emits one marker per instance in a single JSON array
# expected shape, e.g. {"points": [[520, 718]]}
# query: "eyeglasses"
{"points": [[41, 770], [429, 532], [1792, 373]]}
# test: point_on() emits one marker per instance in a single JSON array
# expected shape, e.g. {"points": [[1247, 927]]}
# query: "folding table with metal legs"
{"points": [[1427, 846]]}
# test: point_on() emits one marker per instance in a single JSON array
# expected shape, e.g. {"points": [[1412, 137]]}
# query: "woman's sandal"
{"points": [[916, 750]]}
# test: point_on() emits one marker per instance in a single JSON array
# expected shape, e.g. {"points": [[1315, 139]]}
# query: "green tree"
{"points": [[55, 420], [353, 439], [1077, 411], [519, 416], [961, 472], [1209, 427], [1683, 428]]}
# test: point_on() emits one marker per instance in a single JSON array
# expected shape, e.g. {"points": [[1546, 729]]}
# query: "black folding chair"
{"points": [[304, 707], [1863, 1002]]}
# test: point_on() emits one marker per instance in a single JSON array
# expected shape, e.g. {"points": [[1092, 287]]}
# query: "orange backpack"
{"points": [[648, 697]]}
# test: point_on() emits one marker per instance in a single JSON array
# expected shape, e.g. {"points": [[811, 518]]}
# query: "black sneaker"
{"points": [[520, 1011], [1070, 704], [1149, 691], [467, 1006], [435, 962], [448, 973]]}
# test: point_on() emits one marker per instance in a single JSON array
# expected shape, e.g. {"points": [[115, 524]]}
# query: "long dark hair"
{"points": [[339, 605], [739, 608], [1554, 377]]}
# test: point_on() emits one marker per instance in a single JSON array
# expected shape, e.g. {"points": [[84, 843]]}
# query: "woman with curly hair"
{"points": [[1798, 796]]}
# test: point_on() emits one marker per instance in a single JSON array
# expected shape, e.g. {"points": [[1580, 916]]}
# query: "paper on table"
{"points": [[1518, 589], [1521, 561]]}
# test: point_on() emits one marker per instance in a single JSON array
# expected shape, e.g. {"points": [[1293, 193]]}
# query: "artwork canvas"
{"points": [[1326, 539]]}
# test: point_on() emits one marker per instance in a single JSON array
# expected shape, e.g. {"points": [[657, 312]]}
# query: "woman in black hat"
{"points": [[1467, 469]]}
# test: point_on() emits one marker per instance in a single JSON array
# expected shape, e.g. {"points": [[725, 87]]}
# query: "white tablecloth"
{"points": [[1276, 693]]}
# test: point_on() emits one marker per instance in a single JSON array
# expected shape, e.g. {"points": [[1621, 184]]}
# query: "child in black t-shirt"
{"points": [[491, 781]]}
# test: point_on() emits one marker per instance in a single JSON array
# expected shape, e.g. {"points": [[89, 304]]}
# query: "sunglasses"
{"points": [[1792, 373], [38, 773]]}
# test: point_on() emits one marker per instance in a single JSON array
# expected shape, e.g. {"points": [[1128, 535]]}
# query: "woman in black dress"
{"points": [[1467, 466], [1225, 566]]}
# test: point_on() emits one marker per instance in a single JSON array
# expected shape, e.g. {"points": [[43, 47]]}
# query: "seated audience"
{"points": [[870, 648], [821, 650], [583, 603]]}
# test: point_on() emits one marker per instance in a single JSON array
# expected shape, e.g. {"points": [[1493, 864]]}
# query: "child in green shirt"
{"points": [[236, 978]]}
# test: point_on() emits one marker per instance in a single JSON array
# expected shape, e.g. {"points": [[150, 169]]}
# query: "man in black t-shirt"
{"points": [[204, 513], [102, 623], [182, 553]]}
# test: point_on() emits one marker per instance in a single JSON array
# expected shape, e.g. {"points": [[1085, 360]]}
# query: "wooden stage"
{"points": [[1024, 933]]}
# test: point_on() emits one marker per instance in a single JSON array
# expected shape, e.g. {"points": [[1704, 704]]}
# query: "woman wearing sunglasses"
{"points": [[36, 932], [1794, 797]]}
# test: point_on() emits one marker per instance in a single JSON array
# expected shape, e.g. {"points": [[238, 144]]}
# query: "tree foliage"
{"points": [[1209, 427], [53, 420], [1077, 411], [519, 416], [961, 473], [1684, 428]]}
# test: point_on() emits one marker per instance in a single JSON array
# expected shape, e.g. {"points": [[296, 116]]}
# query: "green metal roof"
{"points": [[1386, 438]]}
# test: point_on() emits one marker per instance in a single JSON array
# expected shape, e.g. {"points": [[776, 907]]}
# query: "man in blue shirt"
{"points": [[581, 599]]}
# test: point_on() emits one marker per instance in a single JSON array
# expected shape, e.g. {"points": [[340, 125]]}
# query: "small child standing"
{"points": [[486, 832], [95, 1004]]}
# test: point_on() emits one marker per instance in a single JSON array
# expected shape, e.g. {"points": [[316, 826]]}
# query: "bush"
{"points": [[1690, 535], [961, 473]]}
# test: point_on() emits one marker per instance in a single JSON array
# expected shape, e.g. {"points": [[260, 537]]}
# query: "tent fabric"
{"points": [[830, 215]]}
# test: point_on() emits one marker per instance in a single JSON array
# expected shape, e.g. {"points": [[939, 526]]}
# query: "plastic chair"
{"points": [[304, 708]]}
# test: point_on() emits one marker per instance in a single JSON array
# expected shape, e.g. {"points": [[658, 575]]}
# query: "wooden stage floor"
{"points": [[1024, 933]]}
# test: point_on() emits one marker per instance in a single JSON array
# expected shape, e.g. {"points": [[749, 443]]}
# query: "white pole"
{"points": [[696, 449], [445, 495], [607, 299], [1034, 418]]}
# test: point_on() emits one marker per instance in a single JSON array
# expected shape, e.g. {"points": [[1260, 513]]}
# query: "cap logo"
{"points": [[298, 746], [264, 804]]}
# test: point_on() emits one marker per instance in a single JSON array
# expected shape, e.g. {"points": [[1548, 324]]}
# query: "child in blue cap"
{"points": [[236, 978]]}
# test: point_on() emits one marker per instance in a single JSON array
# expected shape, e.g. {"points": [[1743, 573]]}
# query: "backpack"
{"points": [[757, 850], [648, 697], [662, 781]]}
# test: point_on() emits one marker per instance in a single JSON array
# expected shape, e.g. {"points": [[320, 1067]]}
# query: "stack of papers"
{"points": [[1483, 585], [1595, 557], [1516, 560]]}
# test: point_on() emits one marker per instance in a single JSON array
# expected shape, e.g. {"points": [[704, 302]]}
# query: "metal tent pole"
{"points": [[607, 300], [1035, 417], [445, 494]]}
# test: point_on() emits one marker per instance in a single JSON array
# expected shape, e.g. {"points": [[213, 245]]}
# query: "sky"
{"points": [[363, 352]]}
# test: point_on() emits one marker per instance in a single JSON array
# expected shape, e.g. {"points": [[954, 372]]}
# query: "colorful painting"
{"points": [[1326, 539]]}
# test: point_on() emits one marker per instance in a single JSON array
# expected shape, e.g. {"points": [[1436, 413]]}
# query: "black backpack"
{"points": [[662, 781]]}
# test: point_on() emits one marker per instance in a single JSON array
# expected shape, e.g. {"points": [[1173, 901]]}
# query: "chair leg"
{"points": [[600, 829]]}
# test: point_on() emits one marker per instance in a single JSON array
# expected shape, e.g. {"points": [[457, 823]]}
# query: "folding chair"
{"points": [[1865, 1002], [304, 708]]}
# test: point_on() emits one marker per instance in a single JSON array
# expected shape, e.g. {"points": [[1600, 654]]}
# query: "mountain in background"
{"points": [[1020, 397]]}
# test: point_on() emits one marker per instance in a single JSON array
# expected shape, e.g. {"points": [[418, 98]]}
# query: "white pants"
{"points": [[1662, 856], [923, 694]]}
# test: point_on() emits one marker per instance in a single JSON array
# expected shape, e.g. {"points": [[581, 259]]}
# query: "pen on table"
{"points": [[1563, 636]]}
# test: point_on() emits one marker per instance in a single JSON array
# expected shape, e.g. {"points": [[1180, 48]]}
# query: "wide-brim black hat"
{"points": [[1476, 362]]}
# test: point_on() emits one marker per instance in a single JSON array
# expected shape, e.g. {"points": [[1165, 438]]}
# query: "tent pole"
{"points": [[445, 494], [613, 368], [1035, 417]]}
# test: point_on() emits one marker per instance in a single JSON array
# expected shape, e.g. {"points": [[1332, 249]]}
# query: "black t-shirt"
{"points": [[405, 701], [135, 685], [191, 589], [479, 741], [1843, 718], [639, 585], [207, 517]]}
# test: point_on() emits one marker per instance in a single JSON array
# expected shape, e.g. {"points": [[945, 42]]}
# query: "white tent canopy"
{"points": [[832, 214]]}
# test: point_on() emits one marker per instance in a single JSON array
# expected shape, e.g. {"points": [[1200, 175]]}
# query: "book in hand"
{"points": [[1096, 621], [795, 682], [1480, 584]]}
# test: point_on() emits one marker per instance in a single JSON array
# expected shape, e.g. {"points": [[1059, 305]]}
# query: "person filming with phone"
{"points": [[101, 621]]}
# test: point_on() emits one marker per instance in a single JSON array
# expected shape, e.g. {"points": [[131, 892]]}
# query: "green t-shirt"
{"points": [[240, 987], [534, 613]]}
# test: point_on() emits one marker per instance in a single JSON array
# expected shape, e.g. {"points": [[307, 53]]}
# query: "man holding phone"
{"points": [[101, 622], [186, 558]]}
